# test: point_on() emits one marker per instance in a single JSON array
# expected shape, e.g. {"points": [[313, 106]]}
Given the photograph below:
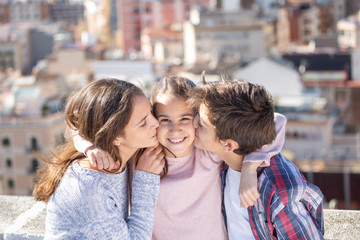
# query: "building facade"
{"points": [[24, 142]]}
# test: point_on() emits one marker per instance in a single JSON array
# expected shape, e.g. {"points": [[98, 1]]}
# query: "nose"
{"points": [[196, 121], [175, 127], [155, 122]]}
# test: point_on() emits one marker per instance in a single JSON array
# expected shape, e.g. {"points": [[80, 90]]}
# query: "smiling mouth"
{"points": [[176, 140]]}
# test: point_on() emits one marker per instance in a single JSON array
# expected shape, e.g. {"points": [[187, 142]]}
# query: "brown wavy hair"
{"points": [[239, 110], [100, 112]]}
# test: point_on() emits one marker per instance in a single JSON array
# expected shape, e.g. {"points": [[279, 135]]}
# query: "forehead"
{"points": [[140, 109], [204, 115], [171, 103]]}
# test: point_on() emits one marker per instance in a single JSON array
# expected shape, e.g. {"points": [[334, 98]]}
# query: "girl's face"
{"points": [[176, 131], [140, 132]]}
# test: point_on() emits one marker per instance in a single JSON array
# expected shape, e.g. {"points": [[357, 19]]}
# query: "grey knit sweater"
{"points": [[89, 204]]}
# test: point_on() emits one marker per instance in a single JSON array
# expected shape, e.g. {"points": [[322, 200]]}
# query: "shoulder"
{"points": [[285, 178]]}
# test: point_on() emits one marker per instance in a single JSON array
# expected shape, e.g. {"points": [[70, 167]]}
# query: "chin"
{"points": [[152, 143], [199, 146]]}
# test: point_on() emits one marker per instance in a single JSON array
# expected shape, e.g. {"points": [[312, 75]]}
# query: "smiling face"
{"points": [[140, 132], [176, 131]]}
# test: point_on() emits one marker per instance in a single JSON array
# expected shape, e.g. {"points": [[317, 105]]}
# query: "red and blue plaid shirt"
{"points": [[289, 207]]}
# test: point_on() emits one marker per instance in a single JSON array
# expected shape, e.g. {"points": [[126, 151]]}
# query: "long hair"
{"points": [[100, 112]]}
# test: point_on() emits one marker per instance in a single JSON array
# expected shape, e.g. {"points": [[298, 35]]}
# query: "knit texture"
{"points": [[89, 204]]}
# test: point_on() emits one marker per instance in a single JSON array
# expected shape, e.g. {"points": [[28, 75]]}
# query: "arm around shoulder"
{"points": [[267, 151]]}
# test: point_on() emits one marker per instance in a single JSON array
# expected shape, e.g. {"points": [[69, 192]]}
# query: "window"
{"points": [[34, 165], [34, 144], [11, 183], [8, 163], [6, 142]]}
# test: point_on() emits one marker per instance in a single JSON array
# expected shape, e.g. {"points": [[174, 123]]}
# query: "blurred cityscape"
{"points": [[305, 52]]}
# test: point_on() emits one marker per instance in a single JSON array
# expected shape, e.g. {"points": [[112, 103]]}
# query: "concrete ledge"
{"points": [[21, 218], [24, 218], [342, 224]]}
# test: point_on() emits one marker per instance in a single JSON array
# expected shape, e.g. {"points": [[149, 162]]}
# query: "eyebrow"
{"points": [[143, 119], [183, 115]]}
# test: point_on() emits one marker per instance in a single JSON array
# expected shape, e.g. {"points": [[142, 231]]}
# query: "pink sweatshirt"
{"points": [[189, 203]]}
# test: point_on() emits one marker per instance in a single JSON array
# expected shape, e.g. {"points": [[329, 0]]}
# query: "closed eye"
{"points": [[185, 119], [143, 125]]}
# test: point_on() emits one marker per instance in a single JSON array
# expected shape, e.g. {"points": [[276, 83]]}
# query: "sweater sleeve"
{"points": [[145, 191], [139, 225], [269, 150], [80, 143]]}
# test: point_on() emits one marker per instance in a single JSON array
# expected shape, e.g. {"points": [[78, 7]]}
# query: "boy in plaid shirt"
{"points": [[236, 118]]}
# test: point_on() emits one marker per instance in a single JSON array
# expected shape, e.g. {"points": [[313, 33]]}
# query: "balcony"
{"points": [[21, 217]]}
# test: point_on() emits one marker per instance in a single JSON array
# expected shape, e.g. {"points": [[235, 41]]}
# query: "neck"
{"points": [[125, 154], [235, 161]]}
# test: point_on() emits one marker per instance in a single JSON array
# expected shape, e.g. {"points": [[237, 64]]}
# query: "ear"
{"points": [[117, 141], [229, 145]]}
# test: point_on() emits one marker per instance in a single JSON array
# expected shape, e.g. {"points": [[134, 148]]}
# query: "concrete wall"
{"points": [[24, 218]]}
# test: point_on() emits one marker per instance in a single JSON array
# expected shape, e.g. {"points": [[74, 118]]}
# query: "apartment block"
{"points": [[304, 23], [24, 142], [233, 35], [66, 11], [4, 13], [29, 11], [349, 32]]}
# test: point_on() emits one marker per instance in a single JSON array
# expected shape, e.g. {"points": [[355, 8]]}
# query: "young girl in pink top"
{"points": [[189, 202]]}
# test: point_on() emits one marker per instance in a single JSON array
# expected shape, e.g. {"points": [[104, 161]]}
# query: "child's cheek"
{"points": [[161, 134]]}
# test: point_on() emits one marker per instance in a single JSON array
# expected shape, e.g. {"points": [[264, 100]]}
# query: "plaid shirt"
{"points": [[289, 207]]}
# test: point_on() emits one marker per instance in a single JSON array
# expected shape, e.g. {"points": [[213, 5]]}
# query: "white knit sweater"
{"points": [[89, 204]]}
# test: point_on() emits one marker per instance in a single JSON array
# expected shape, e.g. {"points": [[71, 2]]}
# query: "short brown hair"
{"points": [[239, 110]]}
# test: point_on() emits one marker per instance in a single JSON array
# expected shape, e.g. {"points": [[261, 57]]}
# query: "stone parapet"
{"points": [[23, 218]]}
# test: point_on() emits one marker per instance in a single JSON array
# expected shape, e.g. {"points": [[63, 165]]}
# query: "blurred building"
{"points": [[236, 35], [153, 17], [4, 13], [282, 25], [304, 23], [349, 32], [29, 11], [335, 73], [23, 45], [352, 6], [276, 75], [308, 132], [140, 73], [66, 61], [24, 142], [328, 59], [65, 11], [11, 55]]}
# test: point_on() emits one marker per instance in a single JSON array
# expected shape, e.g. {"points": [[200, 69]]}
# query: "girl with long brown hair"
{"points": [[84, 202]]}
